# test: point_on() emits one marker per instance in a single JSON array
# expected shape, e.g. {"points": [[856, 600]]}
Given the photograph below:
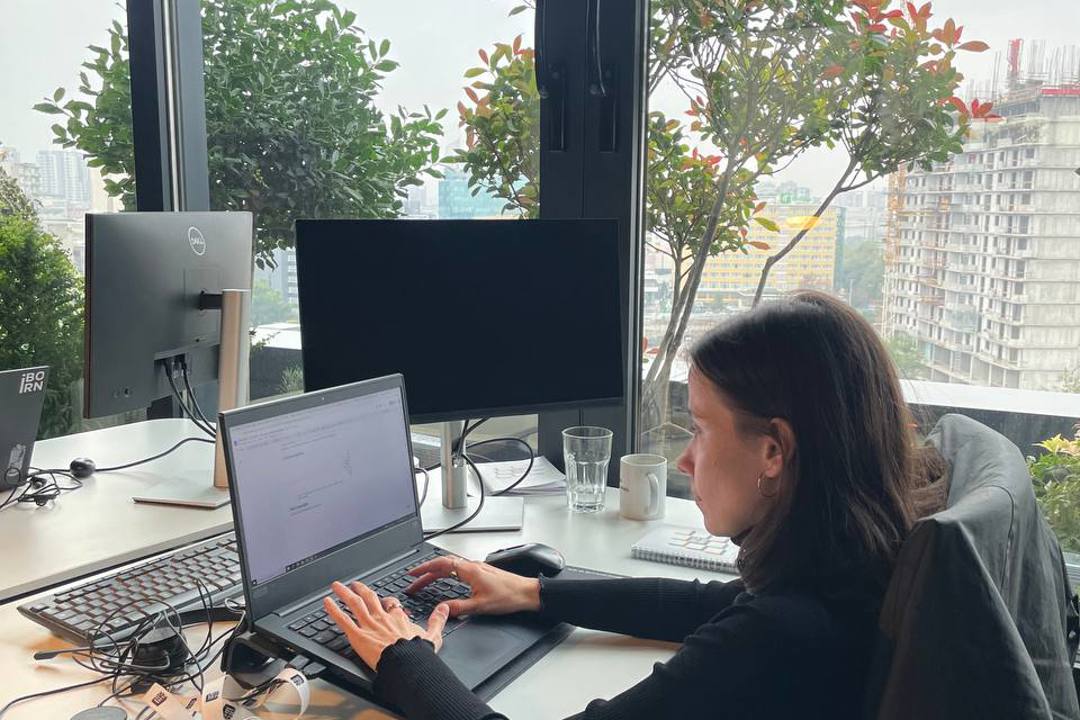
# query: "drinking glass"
{"points": [[586, 452]]}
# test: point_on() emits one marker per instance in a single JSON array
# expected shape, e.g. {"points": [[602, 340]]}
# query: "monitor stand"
{"points": [[233, 358], [453, 504], [499, 513]]}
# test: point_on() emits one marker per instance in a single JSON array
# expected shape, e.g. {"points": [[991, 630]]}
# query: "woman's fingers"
{"points": [[355, 603], [391, 604], [440, 566], [340, 617], [459, 607], [435, 624], [369, 597]]}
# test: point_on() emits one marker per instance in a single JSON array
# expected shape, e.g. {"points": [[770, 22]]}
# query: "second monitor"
{"points": [[482, 317]]}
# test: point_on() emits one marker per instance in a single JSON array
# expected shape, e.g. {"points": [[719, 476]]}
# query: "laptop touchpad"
{"points": [[476, 651]]}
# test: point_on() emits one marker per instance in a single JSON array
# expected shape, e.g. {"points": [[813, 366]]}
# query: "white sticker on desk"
{"points": [[223, 699]]}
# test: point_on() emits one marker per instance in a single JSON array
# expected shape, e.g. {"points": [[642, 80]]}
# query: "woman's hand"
{"points": [[494, 591], [378, 624]]}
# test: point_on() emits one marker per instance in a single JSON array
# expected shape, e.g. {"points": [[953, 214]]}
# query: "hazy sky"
{"points": [[42, 43]]}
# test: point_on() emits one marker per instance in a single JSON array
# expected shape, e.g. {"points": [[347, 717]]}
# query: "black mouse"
{"points": [[530, 560], [82, 467]]}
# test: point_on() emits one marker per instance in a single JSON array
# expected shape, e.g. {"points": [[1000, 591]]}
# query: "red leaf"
{"points": [[833, 71], [472, 94], [462, 109], [484, 56], [759, 207], [876, 28], [517, 44], [759, 244], [958, 104], [975, 46]]}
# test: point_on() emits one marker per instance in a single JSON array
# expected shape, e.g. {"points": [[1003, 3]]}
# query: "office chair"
{"points": [[979, 620]]}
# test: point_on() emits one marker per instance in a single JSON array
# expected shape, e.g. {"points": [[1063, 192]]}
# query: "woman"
{"points": [[803, 453]]}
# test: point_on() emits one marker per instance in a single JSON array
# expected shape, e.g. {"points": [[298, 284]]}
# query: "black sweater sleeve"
{"points": [[736, 665], [653, 608]]}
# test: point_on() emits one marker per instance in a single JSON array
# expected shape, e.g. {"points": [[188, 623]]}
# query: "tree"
{"points": [[41, 316], [267, 305], [501, 155], [292, 128], [862, 273], [905, 353], [894, 81], [765, 80]]}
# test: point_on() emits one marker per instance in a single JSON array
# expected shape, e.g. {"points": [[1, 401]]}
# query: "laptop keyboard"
{"points": [[321, 629]]}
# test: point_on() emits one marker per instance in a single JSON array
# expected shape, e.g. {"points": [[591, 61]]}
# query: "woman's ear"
{"points": [[779, 447]]}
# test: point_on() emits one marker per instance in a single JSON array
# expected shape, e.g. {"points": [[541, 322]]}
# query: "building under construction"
{"points": [[982, 253]]}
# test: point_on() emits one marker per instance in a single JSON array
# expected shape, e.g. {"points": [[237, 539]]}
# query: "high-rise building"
{"points": [[730, 279], [64, 175], [27, 175], [457, 201], [983, 251]]}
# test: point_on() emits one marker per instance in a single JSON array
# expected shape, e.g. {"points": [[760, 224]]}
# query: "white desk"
{"points": [[100, 526], [586, 665]]}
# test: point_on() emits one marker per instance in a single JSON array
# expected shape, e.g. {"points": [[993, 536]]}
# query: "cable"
{"points": [[427, 481], [191, 394], [461, 450], [36, 489], [183, 405], [46, 693], [155, 457], [528, 468]]}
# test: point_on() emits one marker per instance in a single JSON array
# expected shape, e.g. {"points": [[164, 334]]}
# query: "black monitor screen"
{"points": [[482, 317]]}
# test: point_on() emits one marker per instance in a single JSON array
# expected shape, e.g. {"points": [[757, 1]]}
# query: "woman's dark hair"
{"points": [[855, 482]]}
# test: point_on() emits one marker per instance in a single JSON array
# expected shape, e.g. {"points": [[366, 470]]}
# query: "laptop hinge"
{"points": [[308, 599]]}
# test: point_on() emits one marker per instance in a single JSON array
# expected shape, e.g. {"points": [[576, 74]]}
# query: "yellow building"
{"points": [[812, 264]]}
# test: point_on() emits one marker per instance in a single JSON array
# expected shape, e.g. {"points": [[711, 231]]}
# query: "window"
{"points": [[429, 124], [910, 248], [65, 150]]}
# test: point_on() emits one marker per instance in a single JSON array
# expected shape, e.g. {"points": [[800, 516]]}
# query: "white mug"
{"points": [[642, 486]]}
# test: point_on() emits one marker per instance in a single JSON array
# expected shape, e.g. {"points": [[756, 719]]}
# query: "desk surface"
{"points": [[106, 528], [100, 526]]}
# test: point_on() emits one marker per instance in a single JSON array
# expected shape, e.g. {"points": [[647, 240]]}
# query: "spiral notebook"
{"points": [[689, 547]]}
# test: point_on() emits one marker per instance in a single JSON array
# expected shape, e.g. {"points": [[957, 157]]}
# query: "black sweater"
{"points": [[771, 655]]}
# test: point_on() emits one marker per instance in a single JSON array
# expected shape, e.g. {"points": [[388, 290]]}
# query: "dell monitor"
{"points": [[146, 277], [482, 317], [164, 291]]}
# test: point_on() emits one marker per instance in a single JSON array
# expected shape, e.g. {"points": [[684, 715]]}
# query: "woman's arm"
{"points": [[647, 607], [734, 666], [653, 608]]}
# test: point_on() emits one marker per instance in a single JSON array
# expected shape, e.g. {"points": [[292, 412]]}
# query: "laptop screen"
{"points": [[313, 480]]}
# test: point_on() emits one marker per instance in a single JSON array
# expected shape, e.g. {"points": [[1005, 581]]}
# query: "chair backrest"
{"points": [[974, 621]]}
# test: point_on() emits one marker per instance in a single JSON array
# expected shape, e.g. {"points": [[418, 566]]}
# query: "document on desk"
{"points": [[543, 479]]}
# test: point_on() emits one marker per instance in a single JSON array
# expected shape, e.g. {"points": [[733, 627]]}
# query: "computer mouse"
{"points": [[530, 560], [82, 467]]}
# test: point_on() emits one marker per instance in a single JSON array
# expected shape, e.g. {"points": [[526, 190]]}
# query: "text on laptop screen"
{"points": [[311, 481]]}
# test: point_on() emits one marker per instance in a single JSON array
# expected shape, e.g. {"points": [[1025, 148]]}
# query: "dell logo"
{"points": [[33, 381], [196, 240]]}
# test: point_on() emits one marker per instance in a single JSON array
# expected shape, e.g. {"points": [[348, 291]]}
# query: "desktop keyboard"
{"points": [[321, 629], [120, 601]]}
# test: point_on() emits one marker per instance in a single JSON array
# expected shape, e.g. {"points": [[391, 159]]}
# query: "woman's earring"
{"points": [[762, 492]]}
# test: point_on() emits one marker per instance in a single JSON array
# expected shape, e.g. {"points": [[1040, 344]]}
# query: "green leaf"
{"points": [[384, 47], [386, 66], [518, 9], [473, 72], [49, 108], [58, 95], [348, 18], [766, 223]]}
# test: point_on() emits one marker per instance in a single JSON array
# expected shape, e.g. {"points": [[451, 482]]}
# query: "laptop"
{"points": [[22, 394], [322, 489]]}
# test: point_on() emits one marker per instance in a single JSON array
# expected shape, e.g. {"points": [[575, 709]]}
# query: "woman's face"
{"points": [[724, 464]]}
